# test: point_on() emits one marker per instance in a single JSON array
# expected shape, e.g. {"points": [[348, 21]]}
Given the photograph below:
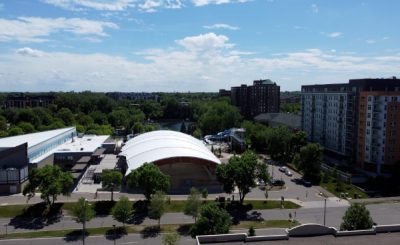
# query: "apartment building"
{"points": [[333, 117], [261, 97]]}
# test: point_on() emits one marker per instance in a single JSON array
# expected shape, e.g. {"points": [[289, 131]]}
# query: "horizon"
{"points": [[193, 45]]}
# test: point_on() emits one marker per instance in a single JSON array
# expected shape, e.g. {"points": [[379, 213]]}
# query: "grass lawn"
{"points": [[331, 187], [104, 207], [266, 224], [271, 204], [75, 234]]}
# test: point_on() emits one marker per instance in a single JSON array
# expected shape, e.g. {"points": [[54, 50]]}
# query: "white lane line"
{"points": [[128, 243]]}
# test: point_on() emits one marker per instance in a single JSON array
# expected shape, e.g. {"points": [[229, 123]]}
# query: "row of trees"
{"points": [[96, 113]]}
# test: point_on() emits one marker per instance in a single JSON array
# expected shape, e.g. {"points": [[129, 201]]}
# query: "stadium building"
{"points": [[187, 161]]}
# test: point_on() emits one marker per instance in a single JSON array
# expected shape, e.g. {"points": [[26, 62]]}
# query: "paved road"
{"points": [[379, 239], [381, 213], [135, 239]]}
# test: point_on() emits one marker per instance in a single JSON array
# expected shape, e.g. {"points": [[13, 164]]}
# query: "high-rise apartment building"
{"points": [[261, 97], [333, 115]]}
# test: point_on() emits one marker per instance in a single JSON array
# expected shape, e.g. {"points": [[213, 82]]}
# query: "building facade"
{"points": [[261, 97], [333, 115], [24, 101]]}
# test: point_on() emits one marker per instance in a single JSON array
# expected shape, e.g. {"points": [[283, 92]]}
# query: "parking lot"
{"points": [[291, 190]]}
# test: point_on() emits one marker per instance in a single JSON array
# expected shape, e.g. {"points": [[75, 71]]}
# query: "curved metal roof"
{"points": [[163, 144]]}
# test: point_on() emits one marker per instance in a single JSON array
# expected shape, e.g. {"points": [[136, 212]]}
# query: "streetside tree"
{"points": [[50, 181], [308, 160], [150, 179], [212, 220], [158, 205], [111, 180], [241, 172], [357, 217], [122, 211], [171, 239], [82, 212], [193, 203]]}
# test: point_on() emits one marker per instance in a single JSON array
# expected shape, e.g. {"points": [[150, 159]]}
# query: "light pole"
{"points": [[115, 235], [84, 222], [325, 211]]}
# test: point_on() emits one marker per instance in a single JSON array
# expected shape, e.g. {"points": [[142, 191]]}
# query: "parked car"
{"points": [[288, 173], [283, 169], [277, 182], [306, 183]]}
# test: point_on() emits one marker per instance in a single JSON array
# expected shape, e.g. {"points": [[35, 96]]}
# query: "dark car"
{"points": [[277, 182], [306, 183]]}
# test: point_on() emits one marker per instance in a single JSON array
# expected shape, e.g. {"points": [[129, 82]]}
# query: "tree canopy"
{"points": [[241, 172], [112, 180], [357, 217], [193, 203], [212, 220], [308, 160], [50, 181], [158, 205], [150, 179], [82, 211], [122, 211]]}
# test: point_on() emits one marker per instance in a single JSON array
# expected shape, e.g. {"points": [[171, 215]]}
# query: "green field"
{"points": [[105, 207], [181, 229]]}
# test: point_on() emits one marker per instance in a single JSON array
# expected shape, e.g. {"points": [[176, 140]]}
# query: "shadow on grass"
{"points": [[241, 212], [119, 232], [150, 232], [37, 216], [74, 236], [183, 230], [140, 212], [103, 208]]}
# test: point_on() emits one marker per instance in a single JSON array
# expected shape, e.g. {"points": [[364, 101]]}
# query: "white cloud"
{"points": [[385, 38], [334, 34], [209, 41], [29, 52], [207, 2], [150, 5], [370, 41], [314, 8], [222, 26], [109, 5], [36, 29]]}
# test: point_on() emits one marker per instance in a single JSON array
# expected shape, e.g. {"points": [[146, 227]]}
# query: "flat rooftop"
{"points": [[85, 144], [32, 139]]}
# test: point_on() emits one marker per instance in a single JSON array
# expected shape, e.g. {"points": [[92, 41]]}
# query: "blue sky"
{"points": [[193, 45]]}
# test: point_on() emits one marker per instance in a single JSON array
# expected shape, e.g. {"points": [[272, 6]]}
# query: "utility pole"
{"points": [[84, 222], [325, 211]]}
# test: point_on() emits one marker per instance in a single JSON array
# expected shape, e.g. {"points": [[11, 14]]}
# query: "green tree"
{"points": [[15, 131], [212, 220], [122, 211], [26, 127], [309, 161], [193, 203], [170, 239], [111, 180], [150, 179], [357, 217], [158, 205], [50, 181], [240, 172], [66, 116], [204, 193], [82, 212]]}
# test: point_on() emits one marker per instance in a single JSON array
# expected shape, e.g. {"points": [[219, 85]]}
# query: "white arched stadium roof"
{"points": [[163, 144]]}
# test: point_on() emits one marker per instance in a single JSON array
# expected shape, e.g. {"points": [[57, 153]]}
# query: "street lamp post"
{"points": [[84, 222], [115, 235], [325, 211]]}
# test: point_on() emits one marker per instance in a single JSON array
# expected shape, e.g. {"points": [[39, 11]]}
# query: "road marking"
{"points": [[128, 243], [4, 204]]}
